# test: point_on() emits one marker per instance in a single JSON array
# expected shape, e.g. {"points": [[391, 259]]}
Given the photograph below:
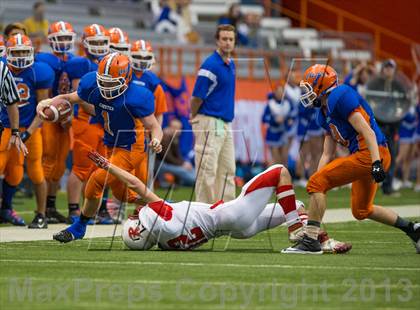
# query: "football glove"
{"points": [[378, 171]]}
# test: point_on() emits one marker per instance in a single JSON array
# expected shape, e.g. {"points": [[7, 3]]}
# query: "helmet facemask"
{"points": [[142, 61], [308, 97], [20, 57], [111, 87], [97, 45], [122, 48], [62, 41]]}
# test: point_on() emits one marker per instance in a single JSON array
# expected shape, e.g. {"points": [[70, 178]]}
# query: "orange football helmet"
{"points": [[61, 36], [142, 56], [96, 40], [317, 81], [119, 41], [2, 46], [113, 75], [19, 51]]}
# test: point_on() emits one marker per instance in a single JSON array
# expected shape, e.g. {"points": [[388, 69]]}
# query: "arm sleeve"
{"points": [[44, 76], [9, 91], [205, 83], [143, 108], [346, 104], [77, 67], [85, 88]]}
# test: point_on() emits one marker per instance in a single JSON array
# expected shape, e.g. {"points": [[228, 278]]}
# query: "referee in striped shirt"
{"points": [[9, 97]]}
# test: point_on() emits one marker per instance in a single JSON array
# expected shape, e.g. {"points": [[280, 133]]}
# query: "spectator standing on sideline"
{"points": [[212, 111], [37, 25], [390, 130]]}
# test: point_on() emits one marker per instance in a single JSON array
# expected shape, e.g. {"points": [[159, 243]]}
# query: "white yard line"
{"points": [[14, 233], [189, 281], [201, 265]]}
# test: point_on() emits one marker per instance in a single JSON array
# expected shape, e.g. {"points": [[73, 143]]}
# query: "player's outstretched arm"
{"points": [[362, 127], [127, 178], [328, 151], [150, 123]]}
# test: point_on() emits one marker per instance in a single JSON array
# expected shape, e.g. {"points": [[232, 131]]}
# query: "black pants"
{"points": [[390, 131]]}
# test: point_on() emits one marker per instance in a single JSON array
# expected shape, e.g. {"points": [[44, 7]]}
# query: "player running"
{"points": [[121, 105], [187, 225], [348, 120]]}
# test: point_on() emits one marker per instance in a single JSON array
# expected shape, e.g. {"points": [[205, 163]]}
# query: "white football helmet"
{"points": [[136, 236]]}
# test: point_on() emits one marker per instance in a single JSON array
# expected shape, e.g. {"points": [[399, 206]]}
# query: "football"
{"points": [[58, 111]]}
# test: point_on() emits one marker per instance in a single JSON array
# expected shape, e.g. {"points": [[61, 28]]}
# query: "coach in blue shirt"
{"points": [[212, 111]]}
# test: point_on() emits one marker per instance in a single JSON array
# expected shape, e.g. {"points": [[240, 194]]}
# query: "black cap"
{"points": [[389, 63]]}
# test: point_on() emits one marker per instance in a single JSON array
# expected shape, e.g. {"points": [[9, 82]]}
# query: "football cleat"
{"points": [[331, 246], [38, 222], [305, 246], [63, 236], [415, 236], [10, 216], [75, 231], [54, 217]]}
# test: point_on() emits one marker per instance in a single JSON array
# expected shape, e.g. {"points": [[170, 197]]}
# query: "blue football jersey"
{"points": [[147, 79], [118, 116], [342, 102], [28, 81], [62, 82]]}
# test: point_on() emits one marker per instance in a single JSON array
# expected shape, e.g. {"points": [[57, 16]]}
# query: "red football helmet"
{"points": [[317, 81], [2, 46], [142, 56], [61, 37], [114, 75], [96, 40], [19, 51], [119, 41]]}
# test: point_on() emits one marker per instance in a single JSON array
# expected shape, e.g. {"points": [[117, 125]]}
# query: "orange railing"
{"points": [[171, 61], [379, 32]]}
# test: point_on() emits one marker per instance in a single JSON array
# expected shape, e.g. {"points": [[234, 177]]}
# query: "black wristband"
{"points": [[15, 131]]}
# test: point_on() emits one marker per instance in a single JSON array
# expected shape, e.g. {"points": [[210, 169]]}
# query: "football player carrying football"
{"points": [[121, 105], [349, 121], [34, 82]]}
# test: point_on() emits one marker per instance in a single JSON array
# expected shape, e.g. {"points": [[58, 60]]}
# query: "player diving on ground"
{"points": [[187, 225]]}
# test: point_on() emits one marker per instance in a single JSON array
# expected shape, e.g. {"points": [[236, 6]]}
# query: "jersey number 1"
{"points": [[107, 125]]}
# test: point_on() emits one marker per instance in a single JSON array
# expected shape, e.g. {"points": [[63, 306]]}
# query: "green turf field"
{"points": [[382, 271]]}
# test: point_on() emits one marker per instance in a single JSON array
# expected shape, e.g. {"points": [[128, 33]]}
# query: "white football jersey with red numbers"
{"points": [[174, 227]]}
